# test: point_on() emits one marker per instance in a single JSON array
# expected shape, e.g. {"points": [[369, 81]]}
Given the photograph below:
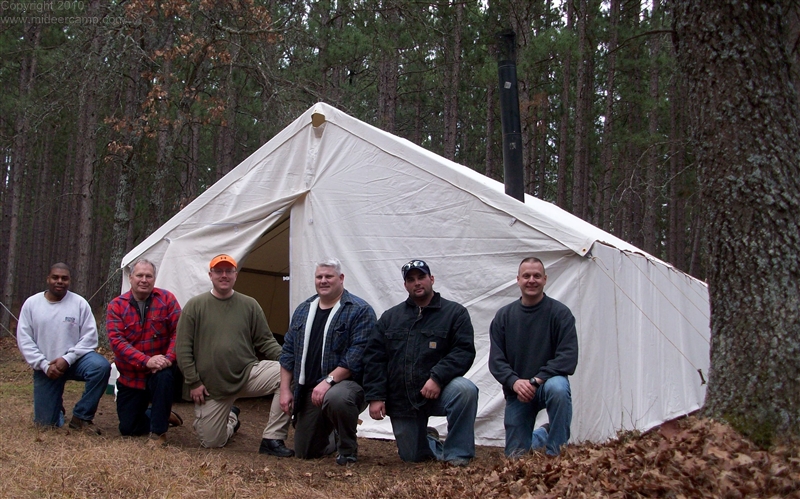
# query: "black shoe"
{"points": [[274, 447], [235, 410], [343, 460]]}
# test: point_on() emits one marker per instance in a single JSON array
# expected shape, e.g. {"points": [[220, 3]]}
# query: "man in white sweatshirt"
{"points": [[57, 335]]}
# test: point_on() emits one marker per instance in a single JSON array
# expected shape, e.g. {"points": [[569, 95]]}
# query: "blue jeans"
{"points": [[48, 394], [459, 402], [555, 396], [135, 417]]}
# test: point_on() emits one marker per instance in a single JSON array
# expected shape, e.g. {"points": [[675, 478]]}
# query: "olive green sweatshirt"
{"points": [[218, 340]]}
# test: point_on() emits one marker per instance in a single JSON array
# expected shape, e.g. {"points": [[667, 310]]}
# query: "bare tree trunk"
{"points": [[189, 179], [676, 237], [582, 115], [41, 213], [602, 203], [164, 143], [540, 177], [696, 265], [19, 161], [746, 124], [538, 155], [83, 265], [387, 93], [490, 130], [452, 79], [126, 164], [562, 187], [416, 131], [651, 202], [5, 212], [387, 80]]}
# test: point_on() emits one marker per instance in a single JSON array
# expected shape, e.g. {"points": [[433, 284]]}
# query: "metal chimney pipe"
{"points": [[509, 114]]}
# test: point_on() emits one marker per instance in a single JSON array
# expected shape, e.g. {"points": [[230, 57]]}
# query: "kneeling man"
{"points": [[322, 355], [534, 347], [414, 367], [219, 336], [141, 326], [57, 335]]}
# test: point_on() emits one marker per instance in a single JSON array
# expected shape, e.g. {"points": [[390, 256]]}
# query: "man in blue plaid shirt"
{"points": [[321, 357]]}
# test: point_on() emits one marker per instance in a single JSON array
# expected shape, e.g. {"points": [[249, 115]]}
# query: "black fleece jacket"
{"points": [[411, 344]]}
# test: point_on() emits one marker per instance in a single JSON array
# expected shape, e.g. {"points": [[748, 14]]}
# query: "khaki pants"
{"points": [[214, 422]]}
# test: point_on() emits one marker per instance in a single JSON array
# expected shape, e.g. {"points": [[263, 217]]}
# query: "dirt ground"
{"points": [[693, 457], [244, 445], [237, 470]]}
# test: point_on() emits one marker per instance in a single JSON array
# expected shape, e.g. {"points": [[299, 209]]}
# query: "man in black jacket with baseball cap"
{"points": [[413, 369]]}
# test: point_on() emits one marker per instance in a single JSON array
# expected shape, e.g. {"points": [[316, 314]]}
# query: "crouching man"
{"points": [[413, 369], [322, 355], [534, 347], [219, 334]]}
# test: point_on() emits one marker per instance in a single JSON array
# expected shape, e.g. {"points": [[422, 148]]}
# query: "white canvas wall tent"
{"points": [[330, 185]]}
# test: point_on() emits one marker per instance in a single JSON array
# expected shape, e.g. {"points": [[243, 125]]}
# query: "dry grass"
{"points": [[692, 458], [63, 463]]}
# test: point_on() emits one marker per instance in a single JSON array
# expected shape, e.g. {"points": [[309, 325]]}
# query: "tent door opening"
{"points": [[264, 275]]}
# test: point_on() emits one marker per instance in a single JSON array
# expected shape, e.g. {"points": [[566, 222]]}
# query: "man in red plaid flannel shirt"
{"points": [[141, 327]]}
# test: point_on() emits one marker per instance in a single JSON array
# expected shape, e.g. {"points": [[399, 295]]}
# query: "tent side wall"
{"points": [[645, 329]]}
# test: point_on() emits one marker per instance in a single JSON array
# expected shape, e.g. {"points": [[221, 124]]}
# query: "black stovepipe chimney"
{"points": [[509, 114]]}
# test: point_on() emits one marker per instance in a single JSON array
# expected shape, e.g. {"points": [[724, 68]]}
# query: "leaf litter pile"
{"points": [[691, 458]]}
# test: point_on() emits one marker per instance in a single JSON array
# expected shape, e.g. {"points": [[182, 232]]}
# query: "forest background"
{"points": [[116, 114]]}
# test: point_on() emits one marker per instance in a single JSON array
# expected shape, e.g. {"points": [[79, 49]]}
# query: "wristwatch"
{"points": [[535, 383], [330, 380]]}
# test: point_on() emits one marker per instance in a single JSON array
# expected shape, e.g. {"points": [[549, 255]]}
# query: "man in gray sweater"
{"points": [[534, 347], [57, 335]]}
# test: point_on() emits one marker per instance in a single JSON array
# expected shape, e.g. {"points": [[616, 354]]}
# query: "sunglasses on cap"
{"points": [[415, 264]]}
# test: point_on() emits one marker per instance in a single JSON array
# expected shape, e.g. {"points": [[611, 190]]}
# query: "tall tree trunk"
{"points": [[676, 215], [562, 186], [490, 130], [651, 202], [745, 123], [602, 203], [83, 265], [164, 126], [41, 215], [580, 170], [388, 79], [416, 131], [126, 164], [452, 82], [5, 214], [19, 160]]}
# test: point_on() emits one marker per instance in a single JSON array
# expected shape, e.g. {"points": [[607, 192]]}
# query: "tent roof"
{"points": [[560, 225]]}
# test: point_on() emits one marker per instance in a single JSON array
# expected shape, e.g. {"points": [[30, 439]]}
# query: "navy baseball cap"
{"points": [[415, 264]]}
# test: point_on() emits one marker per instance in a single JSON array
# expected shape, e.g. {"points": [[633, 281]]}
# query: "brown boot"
{"points": [[86, 426], [157, 440], [175, 419]]}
